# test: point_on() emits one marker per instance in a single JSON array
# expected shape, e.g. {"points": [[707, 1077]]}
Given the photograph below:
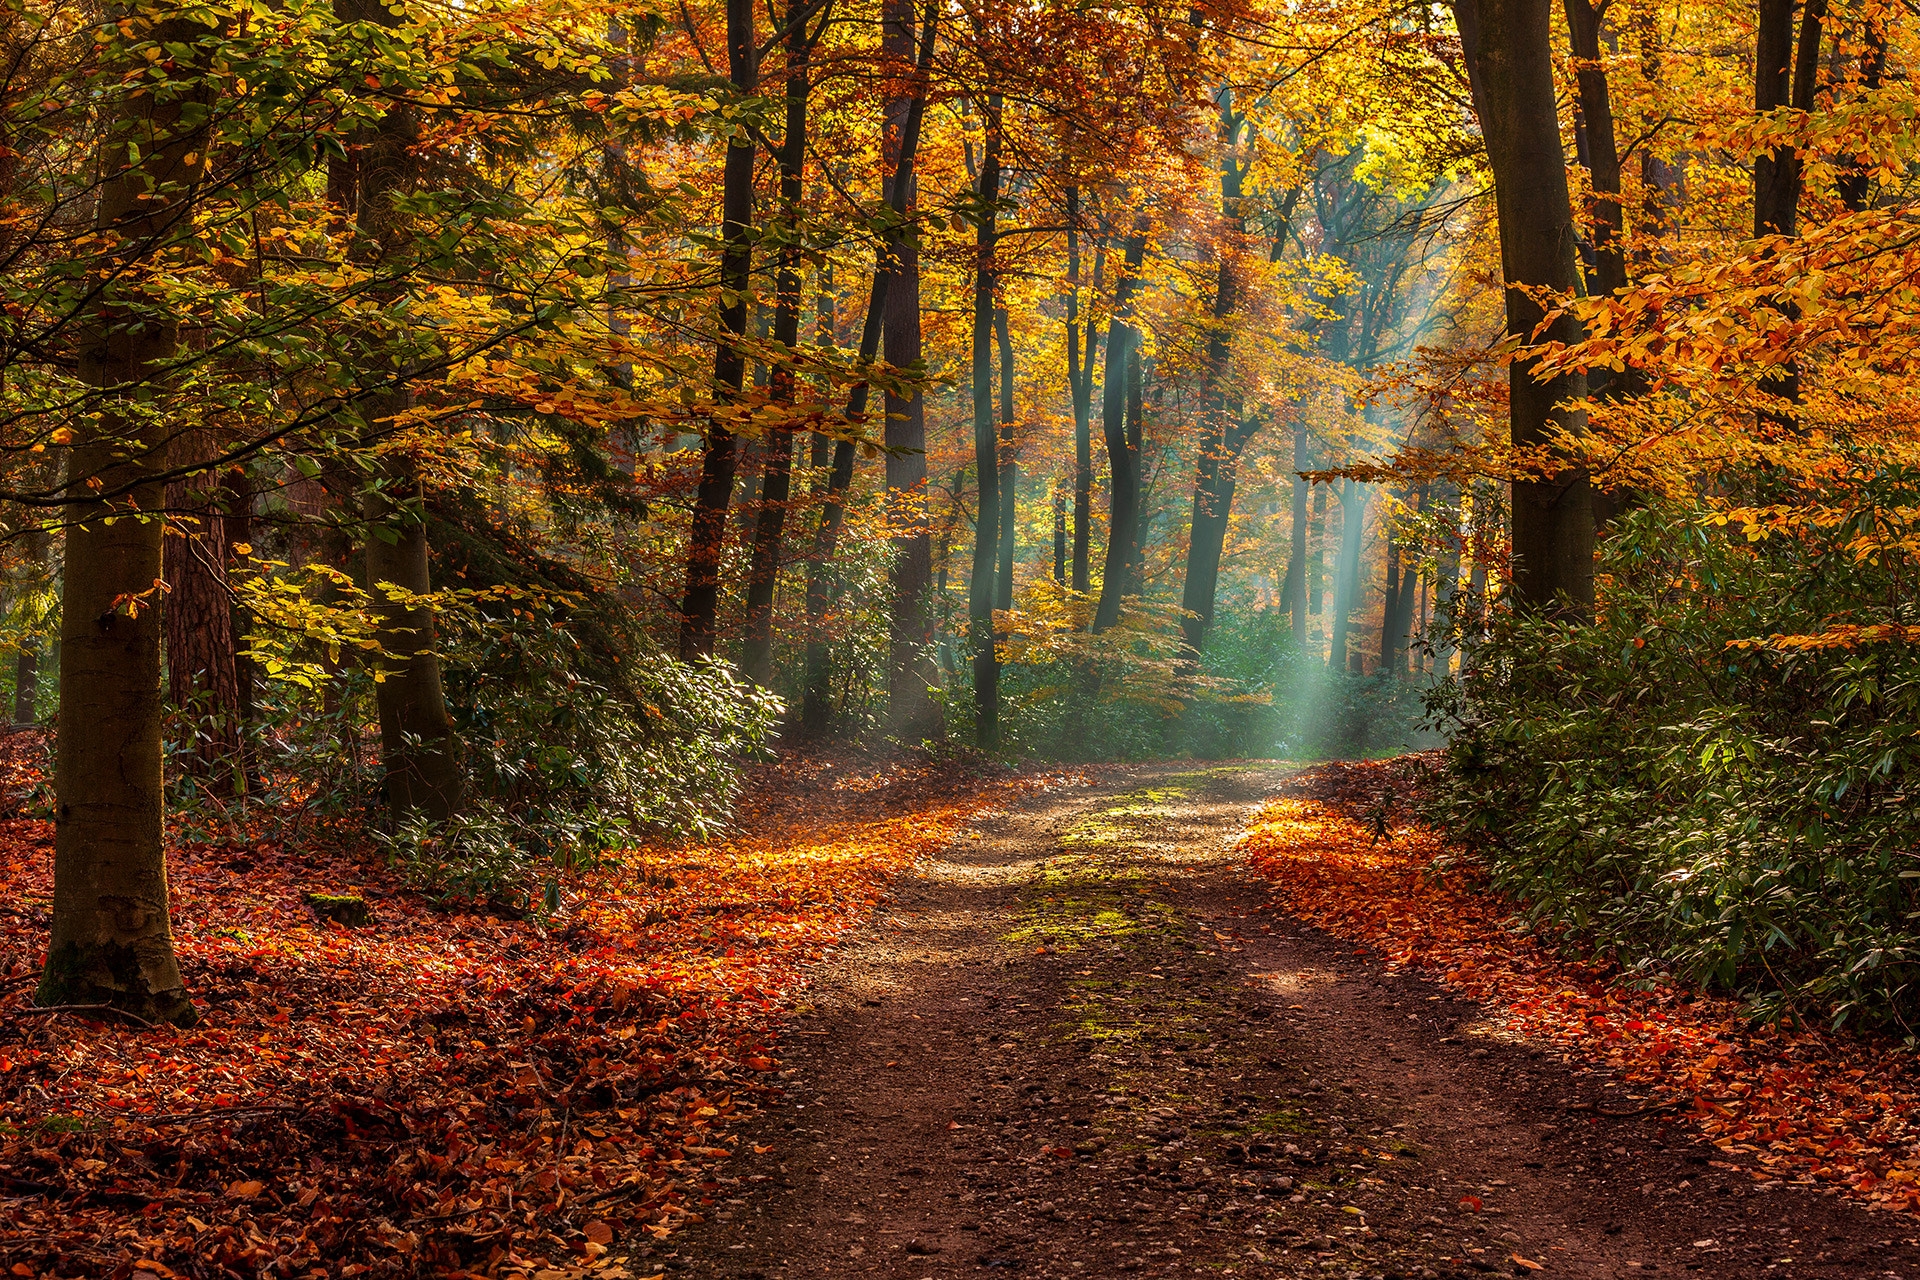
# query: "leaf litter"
{"points": [[1820, 1108], [440, 1092]]}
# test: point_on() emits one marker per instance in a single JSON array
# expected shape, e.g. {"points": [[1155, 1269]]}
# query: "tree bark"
{"points": [[706, 539], [1512, 54], [986, 462], [763, 576], [1123, 459], [912, 714], [26, 678], [1297, 553], [1009, 466], [1346, 571], [111, 941], [198, 625], [1080, 383], [1783, 76], [1221, 438], [902, 142], [419, 751]]}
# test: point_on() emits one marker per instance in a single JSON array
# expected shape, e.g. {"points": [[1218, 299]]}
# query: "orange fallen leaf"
{"points": [[1528, 1263], [598, 1232]]}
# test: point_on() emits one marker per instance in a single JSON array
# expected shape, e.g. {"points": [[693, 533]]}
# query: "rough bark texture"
{"points": [[1511, 52], [699, 611], [111, 942], [1123, 460], [203, 681]]}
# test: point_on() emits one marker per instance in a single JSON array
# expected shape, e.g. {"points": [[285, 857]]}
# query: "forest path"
{"points": [[1083, 1043]]}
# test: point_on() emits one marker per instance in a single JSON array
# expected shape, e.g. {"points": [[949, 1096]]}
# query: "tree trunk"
{"points": [[1297, 552], [1221, 440], [111, 942], [986, 462], [198, 625], [1782, 77], [706, 539], [420, 753], [1602, 151], [1123, 460], [903, 144], [1009, 466], [1346, 571], [1854, 177], [26, 678], [763, 576], [1059, 534], [1512, 54], [1080, 383]]}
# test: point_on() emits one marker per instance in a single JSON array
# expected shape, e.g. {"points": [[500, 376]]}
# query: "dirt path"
{"points": [[1082, 1044]]}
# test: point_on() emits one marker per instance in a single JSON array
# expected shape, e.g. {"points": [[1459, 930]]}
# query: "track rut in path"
{"points": [[1082, 1043]]}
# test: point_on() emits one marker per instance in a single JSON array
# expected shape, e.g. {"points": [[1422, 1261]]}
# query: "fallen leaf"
{"points": [[598, 1232], [1528, 1263]]}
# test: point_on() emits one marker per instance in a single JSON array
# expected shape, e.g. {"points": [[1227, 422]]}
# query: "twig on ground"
{"points": [[106, 1009], [1623, 1113]]}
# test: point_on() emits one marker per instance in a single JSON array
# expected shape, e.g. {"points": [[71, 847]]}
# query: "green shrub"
{"points": [[1684, 791]]}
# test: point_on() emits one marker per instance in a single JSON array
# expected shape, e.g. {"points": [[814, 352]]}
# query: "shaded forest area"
{"points": [[463, 462]]}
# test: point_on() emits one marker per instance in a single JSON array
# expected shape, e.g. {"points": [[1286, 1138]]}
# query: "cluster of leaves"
{"points": [[534, 1096], [1810, 1107], [1709, 780]]}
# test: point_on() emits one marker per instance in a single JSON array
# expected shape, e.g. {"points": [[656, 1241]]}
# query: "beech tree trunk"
{"points": [[706, 540], [111, 942], [1509, 45], [1123, 459], [986, 462]]}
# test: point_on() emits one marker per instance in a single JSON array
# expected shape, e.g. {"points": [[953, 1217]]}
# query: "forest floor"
{"points": [[1090, 1039]]}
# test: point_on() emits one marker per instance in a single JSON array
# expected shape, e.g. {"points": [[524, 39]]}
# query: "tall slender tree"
{"points": [[1123, 459], [986, 461], [706, 540]]}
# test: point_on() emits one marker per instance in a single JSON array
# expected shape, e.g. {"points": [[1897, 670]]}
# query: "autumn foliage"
{"points": [[1790, 1105], [440, 1091]]}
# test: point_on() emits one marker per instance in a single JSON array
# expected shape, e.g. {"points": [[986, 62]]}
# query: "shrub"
{"points": [[1714, 779]]}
